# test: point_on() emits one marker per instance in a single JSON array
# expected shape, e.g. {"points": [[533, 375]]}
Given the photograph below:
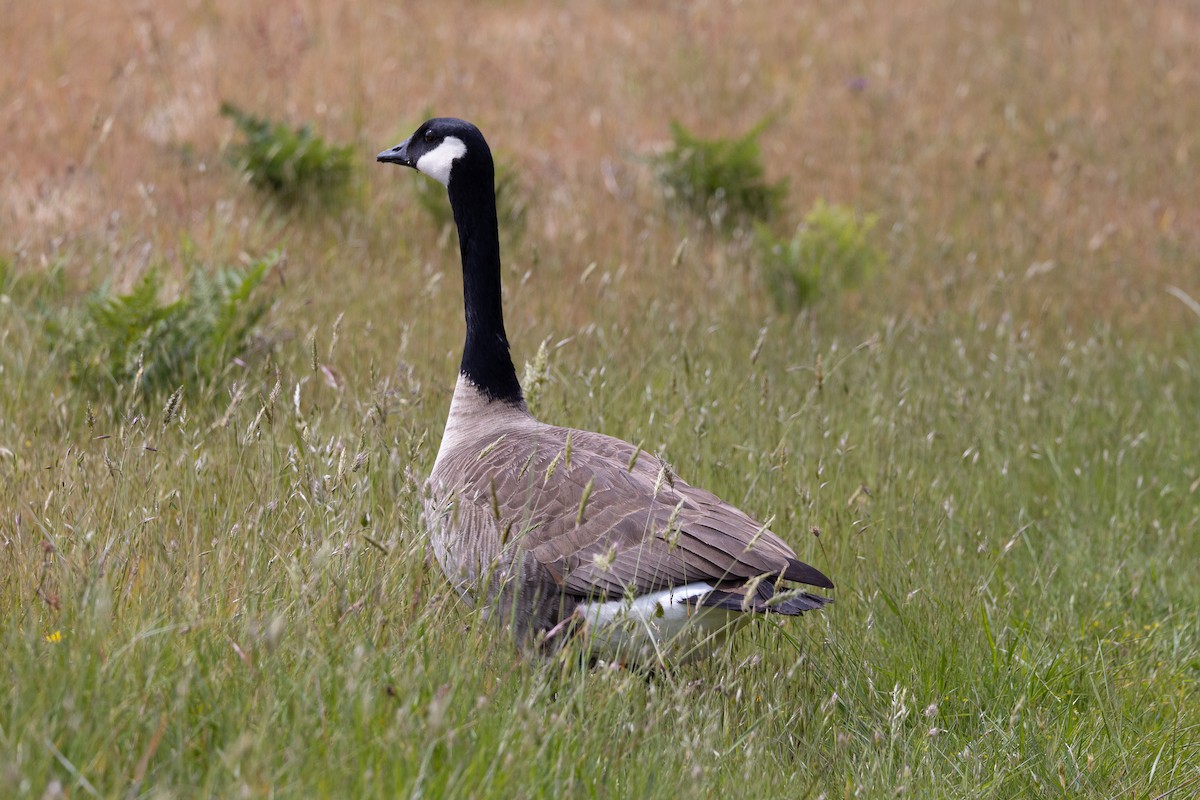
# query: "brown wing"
{"points": [[603, 521]]}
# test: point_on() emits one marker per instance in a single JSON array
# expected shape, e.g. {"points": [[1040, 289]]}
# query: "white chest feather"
{"points": [[473, 418]]}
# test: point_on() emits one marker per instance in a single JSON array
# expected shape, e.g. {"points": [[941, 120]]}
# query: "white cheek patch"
{"points": [[438, 161]]}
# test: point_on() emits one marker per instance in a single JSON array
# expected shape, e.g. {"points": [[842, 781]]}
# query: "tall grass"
{"points": [[222, 603], [990, 449]]}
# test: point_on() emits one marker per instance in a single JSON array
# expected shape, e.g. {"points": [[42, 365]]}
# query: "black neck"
{"points": [[486, 361]]}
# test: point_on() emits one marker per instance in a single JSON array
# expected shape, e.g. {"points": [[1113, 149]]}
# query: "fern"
{"points": [[135, 340], [293, 165], [720, 179], [830, 251]]}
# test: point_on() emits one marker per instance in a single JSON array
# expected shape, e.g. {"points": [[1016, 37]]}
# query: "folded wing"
{"points": [[604, 519]]}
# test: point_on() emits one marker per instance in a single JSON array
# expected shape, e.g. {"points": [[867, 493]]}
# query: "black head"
{"points": [[442, 148]]}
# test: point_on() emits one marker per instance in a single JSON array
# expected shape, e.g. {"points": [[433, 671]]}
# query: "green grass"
{"points": [[996, 435], [231, 603]]}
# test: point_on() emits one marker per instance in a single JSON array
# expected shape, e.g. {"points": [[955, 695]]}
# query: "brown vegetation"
{"points": [[1041, 153]]}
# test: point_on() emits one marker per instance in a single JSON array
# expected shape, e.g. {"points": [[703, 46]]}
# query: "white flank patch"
{"points": [[438, 161], [657, 628]]}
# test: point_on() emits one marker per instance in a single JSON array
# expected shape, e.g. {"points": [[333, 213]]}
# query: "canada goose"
{"points": [[561, 532]]}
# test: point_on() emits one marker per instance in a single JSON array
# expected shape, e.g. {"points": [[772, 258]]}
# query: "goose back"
{"points": [[536, 519]]}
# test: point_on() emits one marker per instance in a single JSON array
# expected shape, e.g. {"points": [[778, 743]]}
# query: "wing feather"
{"points": [[601, 528]]}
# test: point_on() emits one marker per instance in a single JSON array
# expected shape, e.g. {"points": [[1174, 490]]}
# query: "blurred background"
{"points": [[1031, 156], [915, 281]]}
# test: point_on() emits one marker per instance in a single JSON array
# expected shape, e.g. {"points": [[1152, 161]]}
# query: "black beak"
{"points": [[397, 155]]}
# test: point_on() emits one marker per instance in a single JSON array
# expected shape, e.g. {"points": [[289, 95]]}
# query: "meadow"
{"points": [[992, 445]]}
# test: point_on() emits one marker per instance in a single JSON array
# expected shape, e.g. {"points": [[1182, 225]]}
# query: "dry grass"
{"points": [[1022, 134], [232, 602]]}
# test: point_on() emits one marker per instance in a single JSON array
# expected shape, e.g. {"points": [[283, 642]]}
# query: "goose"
{"points": [[563, 534]]}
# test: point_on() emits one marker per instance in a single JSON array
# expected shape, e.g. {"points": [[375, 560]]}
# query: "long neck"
{"points": [[486, 361]]}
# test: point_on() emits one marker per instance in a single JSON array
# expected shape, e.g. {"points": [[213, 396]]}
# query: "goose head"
{"points": [[445, 149]]}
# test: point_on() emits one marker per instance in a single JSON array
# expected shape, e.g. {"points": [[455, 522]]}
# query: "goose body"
{"points": [[556, 531]]}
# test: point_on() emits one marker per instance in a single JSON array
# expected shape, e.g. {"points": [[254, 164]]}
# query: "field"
{"points": [[992, 445]]}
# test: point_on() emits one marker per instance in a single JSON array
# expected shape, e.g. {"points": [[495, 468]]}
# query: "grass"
{"points": [[996, 439]]}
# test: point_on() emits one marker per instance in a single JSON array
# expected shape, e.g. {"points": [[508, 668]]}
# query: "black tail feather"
{"points": [[794, 606], [800, 572], [764, 600]]}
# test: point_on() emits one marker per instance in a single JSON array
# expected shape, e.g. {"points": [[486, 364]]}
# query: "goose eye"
{"points": [[429, 136]]}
